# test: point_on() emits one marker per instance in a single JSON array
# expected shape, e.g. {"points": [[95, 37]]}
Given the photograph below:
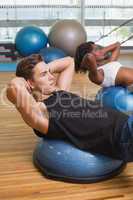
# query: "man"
{"points": [[48, 107]]}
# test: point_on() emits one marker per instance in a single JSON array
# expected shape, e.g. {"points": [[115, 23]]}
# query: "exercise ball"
{"points": [[50, 54], [30, 40], [118, 98], [67, 35], [59, 159]]}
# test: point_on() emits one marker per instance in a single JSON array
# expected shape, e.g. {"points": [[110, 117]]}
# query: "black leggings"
{"points": [[126, 141]]}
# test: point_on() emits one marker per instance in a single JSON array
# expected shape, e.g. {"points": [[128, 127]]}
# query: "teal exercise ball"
{"points": [[30, 40], [50, 54], [67, 35]]}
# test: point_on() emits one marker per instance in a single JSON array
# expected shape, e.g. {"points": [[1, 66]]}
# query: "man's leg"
{"points": [[126, 141]]}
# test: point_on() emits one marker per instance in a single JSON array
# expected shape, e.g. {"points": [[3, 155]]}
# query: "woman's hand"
{"points": [[87, 60]]}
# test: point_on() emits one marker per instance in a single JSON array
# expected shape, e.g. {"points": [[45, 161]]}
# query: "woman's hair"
{"points": [[26, 65], [81, 50]]}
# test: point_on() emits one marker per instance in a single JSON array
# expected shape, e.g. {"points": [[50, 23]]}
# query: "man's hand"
{"points": [[20, 82], [65, 69], [32, 112]]}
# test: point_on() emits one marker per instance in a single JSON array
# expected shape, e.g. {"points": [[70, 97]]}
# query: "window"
{"points": [[101, 17], [98, 16]]}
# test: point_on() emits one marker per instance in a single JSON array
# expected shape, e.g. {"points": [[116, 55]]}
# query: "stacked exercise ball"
{"points": [[50, 54], [30, 40], [67, 35], [118, 98]]}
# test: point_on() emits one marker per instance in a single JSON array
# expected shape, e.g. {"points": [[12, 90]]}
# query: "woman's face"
{"points": [[99, 55], [97, 52]]}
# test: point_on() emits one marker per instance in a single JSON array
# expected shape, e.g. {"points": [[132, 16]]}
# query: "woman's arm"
{"points": [[89, 63], [114, 49], [65, 68], [33, 113], [110, 47]]}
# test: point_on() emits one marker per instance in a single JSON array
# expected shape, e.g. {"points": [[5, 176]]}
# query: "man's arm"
{"points": [[65, 68], [33, 113]]}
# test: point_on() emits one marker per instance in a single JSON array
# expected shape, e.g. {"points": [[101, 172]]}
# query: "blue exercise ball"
{"points": [[118, 98], [30, 40], [59, 159], [50, 54]]}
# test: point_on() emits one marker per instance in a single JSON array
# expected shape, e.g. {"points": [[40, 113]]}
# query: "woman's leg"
{"points": [[124, 76]]}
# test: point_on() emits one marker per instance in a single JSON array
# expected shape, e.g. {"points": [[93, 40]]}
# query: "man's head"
{"points": [[36, 72], [83, 49], [26, 65]]}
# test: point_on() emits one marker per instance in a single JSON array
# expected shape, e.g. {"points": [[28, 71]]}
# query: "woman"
{"points": [[102, 64]]}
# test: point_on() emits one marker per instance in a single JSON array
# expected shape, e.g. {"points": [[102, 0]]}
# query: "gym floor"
{"points": [[20, 180]]}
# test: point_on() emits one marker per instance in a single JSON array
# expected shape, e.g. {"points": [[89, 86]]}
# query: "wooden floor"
{"points": [[20, 180]]}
